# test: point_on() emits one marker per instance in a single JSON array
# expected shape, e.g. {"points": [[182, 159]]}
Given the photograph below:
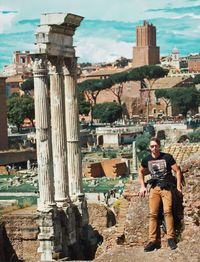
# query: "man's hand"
{"points": [[179, 190], [143, 191]]}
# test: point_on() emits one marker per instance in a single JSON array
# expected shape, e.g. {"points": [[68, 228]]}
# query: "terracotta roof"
{"points": [[169, 82], [105, 72], [14, 79]]}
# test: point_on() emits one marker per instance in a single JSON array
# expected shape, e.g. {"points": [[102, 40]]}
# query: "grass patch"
{"points": [[102, 185], [21, 188], [23, 201]]}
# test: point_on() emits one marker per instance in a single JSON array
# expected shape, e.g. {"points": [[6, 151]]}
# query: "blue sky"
{"points": [[108, 30]]}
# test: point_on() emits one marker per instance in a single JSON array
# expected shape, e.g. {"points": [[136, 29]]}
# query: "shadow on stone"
{"points": [[9, 253], [111, 219], [90, 241]]}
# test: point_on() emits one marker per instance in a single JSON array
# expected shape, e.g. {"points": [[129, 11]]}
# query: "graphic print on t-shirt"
{"points": [[158, 168]]}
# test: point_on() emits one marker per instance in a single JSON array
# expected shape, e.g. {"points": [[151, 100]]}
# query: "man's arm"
{"points": [[177, 170], [142, 172]]}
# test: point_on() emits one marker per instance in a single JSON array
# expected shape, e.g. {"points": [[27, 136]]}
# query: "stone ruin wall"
{"points": [[109, 168], [18, 238]]}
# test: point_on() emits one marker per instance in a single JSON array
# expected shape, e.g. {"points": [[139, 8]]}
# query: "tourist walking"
{"points": [[159, 165]]}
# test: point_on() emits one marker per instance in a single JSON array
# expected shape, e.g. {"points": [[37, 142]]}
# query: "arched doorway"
{"points": [[100, 140]]}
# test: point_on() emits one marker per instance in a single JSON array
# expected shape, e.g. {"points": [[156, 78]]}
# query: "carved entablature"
{"points": [[54, 36]]}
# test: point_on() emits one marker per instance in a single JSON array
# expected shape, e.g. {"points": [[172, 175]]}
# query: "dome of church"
{"points": [[175, 50]]}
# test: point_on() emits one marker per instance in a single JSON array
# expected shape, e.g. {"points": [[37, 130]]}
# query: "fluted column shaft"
{"points": [[58, 134], [134, 157], [43, 135], [73, 129]]}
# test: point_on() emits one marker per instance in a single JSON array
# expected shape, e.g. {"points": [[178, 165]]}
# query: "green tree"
{"points": [[164, 94], [196, 79], [122, 62], [84, 106], [118, 81], [107, 112], [185, 99], [141, 143], [19, 108], [194, 136], [91, 89], [147, 75], [27, 85]]}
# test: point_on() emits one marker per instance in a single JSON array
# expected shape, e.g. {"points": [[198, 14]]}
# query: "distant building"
{"points": [[3, 116], [20, 65], [13, 85], [172, 61], [146, 52], [194, 63], [175, 58]]}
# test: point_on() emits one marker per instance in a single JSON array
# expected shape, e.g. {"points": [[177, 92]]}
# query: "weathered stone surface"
{"points": [[20, 235]]}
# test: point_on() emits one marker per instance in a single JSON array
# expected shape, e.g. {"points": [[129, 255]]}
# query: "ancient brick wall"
{"points": [[16, 156], [93, 170], [20, 235], [109, 168]]}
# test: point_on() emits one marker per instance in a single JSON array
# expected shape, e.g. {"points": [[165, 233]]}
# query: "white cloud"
{"points": [[94, 50], [6, 22], [186, 15]]}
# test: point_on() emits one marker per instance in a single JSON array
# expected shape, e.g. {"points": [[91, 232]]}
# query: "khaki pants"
{"points": [[156, 196]]}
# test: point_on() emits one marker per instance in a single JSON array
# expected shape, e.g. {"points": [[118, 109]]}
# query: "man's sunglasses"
{"points": [[152, 146]]}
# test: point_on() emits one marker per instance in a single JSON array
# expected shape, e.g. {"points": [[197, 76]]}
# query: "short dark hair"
{"points": [[155, 139]]}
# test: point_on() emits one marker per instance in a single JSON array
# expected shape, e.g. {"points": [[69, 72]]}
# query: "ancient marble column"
{"points": [[134, 158], [48, 218], [58, 132], [43, 134], [72, 128]]}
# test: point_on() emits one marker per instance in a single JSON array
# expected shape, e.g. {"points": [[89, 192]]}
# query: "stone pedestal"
{"points": [[49, 236], [72, 127]]}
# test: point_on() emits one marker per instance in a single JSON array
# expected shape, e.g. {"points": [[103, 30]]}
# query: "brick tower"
{"points": [[3, 116], [146, 52]]}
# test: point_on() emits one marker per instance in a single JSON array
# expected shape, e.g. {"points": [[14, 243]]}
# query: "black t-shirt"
{"points": [[159, 167]]}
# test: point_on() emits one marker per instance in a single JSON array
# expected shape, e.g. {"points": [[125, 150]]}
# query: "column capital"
{"points": [[70, 67], [40, 66], [55, 65]]}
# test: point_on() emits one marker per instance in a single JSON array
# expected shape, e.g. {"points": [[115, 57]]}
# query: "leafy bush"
{"points": [[109, 154], [141, 143], [116, 205], [194, 136]]}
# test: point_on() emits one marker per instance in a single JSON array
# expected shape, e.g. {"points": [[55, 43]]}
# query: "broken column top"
{"points": [[54, 35], [60, 19]]}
